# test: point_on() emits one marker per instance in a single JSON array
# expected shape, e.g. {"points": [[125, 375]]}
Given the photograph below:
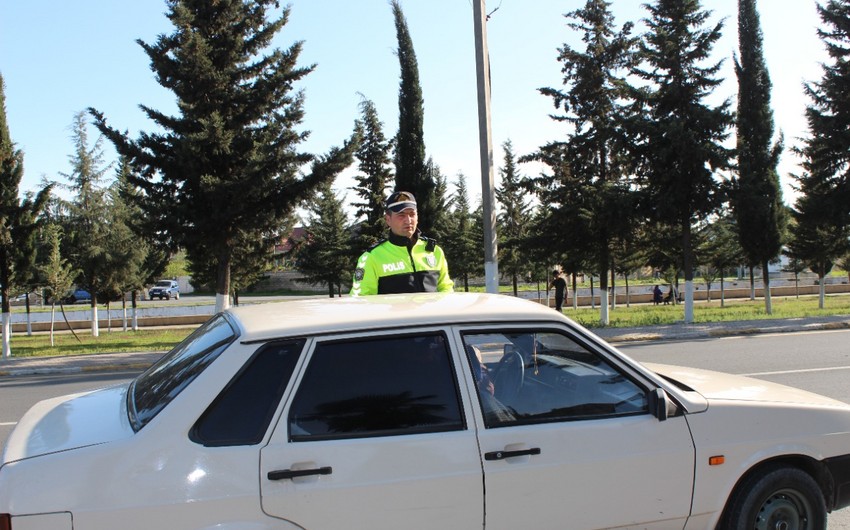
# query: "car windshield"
{"points": [[151, 391], [163, 283]]}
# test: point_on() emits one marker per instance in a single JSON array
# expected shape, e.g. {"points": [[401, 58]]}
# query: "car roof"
{"points": [[259, 322]]}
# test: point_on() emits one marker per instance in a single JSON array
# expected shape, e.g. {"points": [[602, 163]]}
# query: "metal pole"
{"points": [[488, 193]]}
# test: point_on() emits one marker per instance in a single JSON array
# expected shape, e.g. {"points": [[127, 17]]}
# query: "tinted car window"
{"points": [[241, 414], [378, 387], [162, 382], [528, 377]]}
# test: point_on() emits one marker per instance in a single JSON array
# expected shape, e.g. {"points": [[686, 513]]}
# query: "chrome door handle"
{"points": [[501, 455]]}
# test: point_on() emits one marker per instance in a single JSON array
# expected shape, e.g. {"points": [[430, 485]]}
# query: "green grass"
{"points": [[162, 339], [108, 342], [737, 309]]}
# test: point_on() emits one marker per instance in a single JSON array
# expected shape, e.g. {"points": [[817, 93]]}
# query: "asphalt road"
{"points": [[818, 361]]}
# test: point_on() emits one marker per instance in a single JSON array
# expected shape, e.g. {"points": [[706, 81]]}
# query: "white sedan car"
{"points": [[444, 411]]}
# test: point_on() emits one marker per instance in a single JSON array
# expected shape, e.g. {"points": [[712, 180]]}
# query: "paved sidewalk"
{"points": [[141, 360]]}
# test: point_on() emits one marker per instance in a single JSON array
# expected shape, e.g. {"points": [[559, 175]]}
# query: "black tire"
{"points": [[168, 297], [776, 497]]}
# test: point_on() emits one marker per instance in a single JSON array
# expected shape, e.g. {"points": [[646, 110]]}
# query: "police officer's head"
{"points": [[400, 213]]}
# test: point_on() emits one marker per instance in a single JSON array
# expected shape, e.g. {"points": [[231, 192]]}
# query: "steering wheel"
{"points": [[510, 374]]}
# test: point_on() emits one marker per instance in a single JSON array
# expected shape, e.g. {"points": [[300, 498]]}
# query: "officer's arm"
{"points": [[365, 280], [444, 282]]}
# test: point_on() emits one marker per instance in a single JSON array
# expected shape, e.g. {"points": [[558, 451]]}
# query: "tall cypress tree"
{"points": [[756, 195], [410, 162], [226, 170], [682, 134]]}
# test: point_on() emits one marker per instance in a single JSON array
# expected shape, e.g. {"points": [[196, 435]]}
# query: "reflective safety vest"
{"points": [[401, 265]]}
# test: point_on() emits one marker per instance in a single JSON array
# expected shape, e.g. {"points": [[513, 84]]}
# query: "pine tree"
{"points": [[757, 195], [822, 210], [18, 221], [682, 134], [514, 219], [410, 162], [226, 171], [593, 103], [55, 272], [325, 254], [88, 222], [464, 253], [374, 158]]}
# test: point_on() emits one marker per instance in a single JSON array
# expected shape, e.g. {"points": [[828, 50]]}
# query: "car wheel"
{"points": [[168, 297], [777, 497], [177, 296]]}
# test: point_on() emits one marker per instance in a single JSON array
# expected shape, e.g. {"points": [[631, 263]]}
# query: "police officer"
{"points": [[405, 262]]}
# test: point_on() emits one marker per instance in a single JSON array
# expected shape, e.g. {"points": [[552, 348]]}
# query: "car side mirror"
{"points": [[658, 403]]}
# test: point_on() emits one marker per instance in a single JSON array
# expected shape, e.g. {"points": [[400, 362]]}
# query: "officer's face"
{"points": [[402, 223]]}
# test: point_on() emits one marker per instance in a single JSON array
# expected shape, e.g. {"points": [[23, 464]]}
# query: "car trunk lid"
{"points": [[70, 422]]}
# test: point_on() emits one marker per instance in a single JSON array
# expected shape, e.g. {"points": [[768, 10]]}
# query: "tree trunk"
{"points": [[95, 325], [688, 264], [768, 307], [222, 288]]}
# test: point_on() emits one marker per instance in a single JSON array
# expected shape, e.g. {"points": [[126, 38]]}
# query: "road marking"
{"points": [[807, 370], [7, 423]]}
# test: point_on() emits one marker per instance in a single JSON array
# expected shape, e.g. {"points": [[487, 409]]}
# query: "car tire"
{"points": [[177, 296], [168, 297], [776, 497]]}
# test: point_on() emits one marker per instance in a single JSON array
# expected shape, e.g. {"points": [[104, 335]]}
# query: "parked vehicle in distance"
{"points": [[427, 410], [166, 289], [22, 298], [78, 295]]}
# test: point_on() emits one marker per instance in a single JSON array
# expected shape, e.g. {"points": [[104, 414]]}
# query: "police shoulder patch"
{"points": [[358, 274]]}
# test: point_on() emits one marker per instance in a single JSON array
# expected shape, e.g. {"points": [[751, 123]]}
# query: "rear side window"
{"points": [[377, 387], [241, 414], [162, 382]]}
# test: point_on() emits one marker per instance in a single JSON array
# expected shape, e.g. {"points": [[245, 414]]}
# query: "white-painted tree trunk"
{"points": [[689, 302], [222, 302], [7, 335], [95, 325]]}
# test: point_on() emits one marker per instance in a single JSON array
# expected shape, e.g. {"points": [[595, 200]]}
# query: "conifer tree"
{"points": [[514, 219], [592, 101], [225, 171], [325, 254], [411, 173], [822, 210], [756, 195], [682, 133], [373, 161], [18, 221], [87, 223], [464, 252], [55, 272]]}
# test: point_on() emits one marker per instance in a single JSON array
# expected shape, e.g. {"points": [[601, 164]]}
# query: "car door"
{"points": [[567, 439], [375, 436]]}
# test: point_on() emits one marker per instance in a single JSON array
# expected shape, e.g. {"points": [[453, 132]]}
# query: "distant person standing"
{"points": [[560, 286], [405, 262]]}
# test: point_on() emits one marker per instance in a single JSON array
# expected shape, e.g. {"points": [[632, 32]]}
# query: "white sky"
{"points": [[58, 58]]}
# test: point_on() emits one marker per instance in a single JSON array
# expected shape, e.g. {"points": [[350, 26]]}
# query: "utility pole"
{"points": [[485, 140]]}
